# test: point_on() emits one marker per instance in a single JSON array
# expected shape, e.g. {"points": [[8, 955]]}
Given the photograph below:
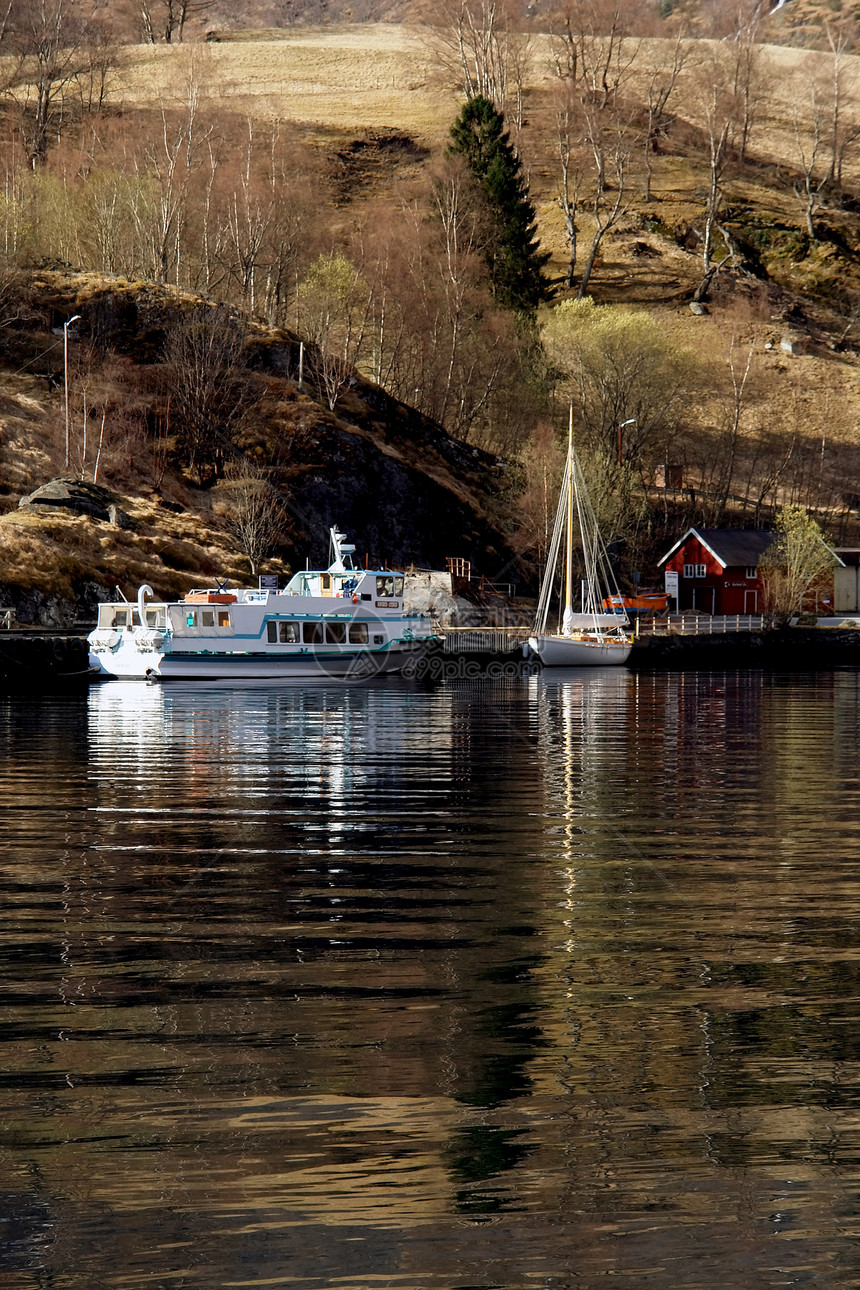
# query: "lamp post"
{"points": [[66, 327], [631, 421]]}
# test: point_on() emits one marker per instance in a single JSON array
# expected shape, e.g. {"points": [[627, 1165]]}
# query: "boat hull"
{"points": [[569, 651], [175, 666]]}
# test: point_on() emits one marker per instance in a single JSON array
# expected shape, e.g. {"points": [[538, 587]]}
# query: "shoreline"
{"points": [[42, 661]]}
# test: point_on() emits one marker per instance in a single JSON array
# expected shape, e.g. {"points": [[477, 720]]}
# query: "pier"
{"points": [[38, 659]]}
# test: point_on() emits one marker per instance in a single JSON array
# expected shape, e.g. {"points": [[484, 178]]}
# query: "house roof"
{"points": [[733, 548], [729, 547]]}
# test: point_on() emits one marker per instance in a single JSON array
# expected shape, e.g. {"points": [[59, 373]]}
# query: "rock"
{"points": [[644, 250], [72, 495], [36, 608], [429, 592], [119, 518], [792, 344], [697, 308]]}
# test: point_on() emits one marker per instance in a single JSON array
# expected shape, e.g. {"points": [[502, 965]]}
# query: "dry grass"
{"points": [[344, 78], [48, 552], [385, 75]]}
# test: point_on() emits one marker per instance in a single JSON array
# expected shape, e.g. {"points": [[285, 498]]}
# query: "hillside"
{"points": [[346, 127], [401, 488]]}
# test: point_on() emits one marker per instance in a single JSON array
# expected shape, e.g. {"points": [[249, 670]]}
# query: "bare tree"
{"points": [[172, 160], [662, 82], [843, 76], [607, 206], [266, 216], [809, 127], [95, 79], [482, 44], [734, 408], [208, 385], [166, 19], [718, 110], [593, 58], [51, 40], [255, 513], [568, 127]]}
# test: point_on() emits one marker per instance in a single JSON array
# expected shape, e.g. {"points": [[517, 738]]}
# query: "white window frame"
{"points": [[695, 571]]}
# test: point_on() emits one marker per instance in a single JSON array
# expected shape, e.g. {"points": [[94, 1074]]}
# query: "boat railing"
{"points": [[700, 624], [7, 617]]}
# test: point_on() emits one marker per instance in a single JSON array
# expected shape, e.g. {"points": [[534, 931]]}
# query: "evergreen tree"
{"points": [[513, 254]]}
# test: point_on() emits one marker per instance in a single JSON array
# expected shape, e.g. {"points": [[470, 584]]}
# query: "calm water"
{"points": [[546, 983]]}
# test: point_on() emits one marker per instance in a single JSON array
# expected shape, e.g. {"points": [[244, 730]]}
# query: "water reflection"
{"points": [[489, 985]]}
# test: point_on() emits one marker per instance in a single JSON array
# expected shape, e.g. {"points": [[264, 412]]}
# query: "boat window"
{"points": [[283, 633], [207, 617], [223, 617], [325, 583], [120, 618], [135, 618], [358, 633], [385, 586], [398, 586], [312, 633], [155, 618], [191, 618], [379, 640], [335, 633]]}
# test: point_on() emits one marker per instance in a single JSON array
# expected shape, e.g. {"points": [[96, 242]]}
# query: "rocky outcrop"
{"points": [[36, 608], [79, 497]]}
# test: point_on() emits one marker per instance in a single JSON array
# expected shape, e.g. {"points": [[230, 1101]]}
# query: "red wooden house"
{"points": [[716, 570]]}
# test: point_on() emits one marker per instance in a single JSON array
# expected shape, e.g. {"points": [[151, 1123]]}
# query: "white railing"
{"points": [[702, 624], [7, 618], [485, 640]]}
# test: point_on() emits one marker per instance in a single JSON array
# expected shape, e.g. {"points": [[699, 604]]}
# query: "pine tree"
{"points": [[514, 258]]}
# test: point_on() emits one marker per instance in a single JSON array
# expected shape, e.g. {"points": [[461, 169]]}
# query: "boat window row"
{"points": [[124, 616], [207, 617], [317, 633]]}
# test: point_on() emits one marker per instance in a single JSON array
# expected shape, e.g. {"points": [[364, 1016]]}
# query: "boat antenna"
{"points": [[119, 591]]}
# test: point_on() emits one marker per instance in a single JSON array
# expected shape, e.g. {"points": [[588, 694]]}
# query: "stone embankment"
{"points": [[32, 660], [788, 648]]}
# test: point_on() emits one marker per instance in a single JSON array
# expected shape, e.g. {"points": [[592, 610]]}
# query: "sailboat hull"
{"points": [[567, 651]]}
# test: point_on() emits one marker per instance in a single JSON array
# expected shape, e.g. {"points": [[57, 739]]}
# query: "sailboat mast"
{"points": [[568, 549]]}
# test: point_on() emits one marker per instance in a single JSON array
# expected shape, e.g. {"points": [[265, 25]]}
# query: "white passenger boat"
{"points": [[338, 622], [590, 637]]}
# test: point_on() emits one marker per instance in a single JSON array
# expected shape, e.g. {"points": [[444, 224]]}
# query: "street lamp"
{"points": [[66, 327], [631, 421]]}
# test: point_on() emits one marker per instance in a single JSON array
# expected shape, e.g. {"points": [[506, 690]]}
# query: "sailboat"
{"points": [[590, 638]]}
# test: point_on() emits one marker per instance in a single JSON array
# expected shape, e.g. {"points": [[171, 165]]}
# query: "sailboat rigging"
{"points": [[590, 638]]}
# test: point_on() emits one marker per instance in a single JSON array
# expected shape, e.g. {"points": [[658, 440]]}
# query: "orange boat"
{"points": [[648, 602]]}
